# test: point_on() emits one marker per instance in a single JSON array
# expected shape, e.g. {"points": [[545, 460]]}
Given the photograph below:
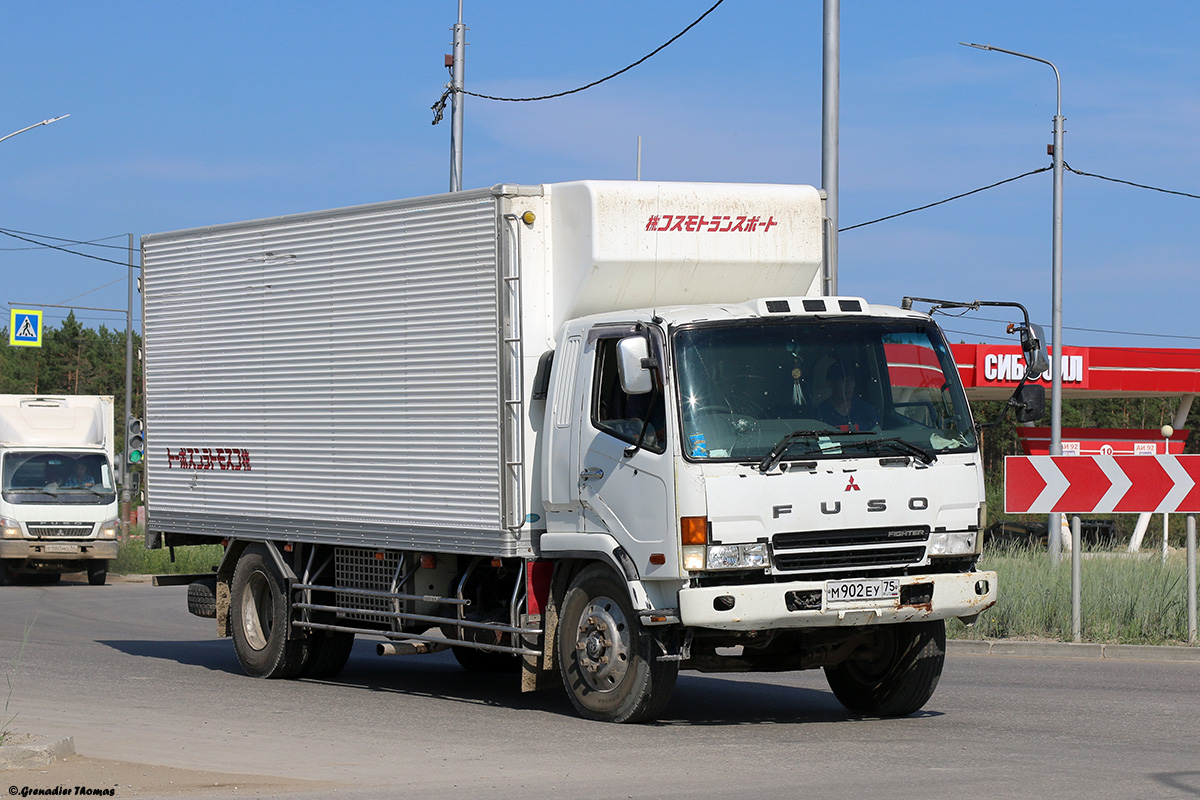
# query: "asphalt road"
{"points": [[127, 672]]}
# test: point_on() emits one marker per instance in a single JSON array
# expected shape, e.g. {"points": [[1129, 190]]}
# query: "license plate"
{"points": [[62, 548], [859, 591]]}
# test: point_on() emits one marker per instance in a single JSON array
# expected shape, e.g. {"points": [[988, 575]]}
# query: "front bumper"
{"points": [[39, 550], [803, 604]]}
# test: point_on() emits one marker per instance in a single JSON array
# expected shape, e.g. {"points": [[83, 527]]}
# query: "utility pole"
{"points": [[456, 102], [830, 88], [126, 494], [1056, 283]]}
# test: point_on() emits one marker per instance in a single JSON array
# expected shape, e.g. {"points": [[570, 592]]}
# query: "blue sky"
{"points": [[186, 114]]}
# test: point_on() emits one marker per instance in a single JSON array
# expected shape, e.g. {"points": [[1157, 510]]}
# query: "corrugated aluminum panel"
{"points": [[330, 377]]}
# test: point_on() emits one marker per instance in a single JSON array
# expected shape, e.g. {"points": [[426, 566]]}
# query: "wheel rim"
{"points": [[602, 647], [256, 610]]}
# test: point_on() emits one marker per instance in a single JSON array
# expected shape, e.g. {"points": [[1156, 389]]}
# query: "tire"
{"points": [[202, 598], [605, 657], [260, 616], [97, 572], [486, 661], [328, 652], [900, 676]]}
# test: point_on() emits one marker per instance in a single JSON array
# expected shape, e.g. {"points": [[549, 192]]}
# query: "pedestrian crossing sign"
{"points": [[24, 328]]}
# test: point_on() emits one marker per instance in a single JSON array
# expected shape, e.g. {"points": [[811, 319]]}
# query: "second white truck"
{"points": [[597, 432], [58, 502]]}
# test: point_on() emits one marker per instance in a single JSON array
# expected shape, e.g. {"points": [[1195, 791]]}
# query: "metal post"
{"points": [[1076, 580], [126, 495], [1191, 576], [1056, 307], [456, 103], [1167, 431], [1055, 520], [829, 137]]}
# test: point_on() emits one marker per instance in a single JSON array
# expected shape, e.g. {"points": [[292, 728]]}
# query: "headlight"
{"points": [[738, 556], [108, 530], [10, 529], [953, 544]]}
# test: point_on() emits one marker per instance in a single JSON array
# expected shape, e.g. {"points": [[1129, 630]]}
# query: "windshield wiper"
{"points": [[772, 458], [896, 443]]}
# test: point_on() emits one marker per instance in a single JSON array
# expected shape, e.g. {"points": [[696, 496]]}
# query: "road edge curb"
{"points": [[36, 754], [1110, 652]]}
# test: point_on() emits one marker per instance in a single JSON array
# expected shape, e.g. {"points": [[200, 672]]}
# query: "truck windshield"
{"points": [[57, 477], [820, 388]]}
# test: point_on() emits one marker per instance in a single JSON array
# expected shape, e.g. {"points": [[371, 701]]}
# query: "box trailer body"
{"points": [[58, 507], [527, 417]]}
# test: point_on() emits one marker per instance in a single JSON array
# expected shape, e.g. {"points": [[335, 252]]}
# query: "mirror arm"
{"points": [[1011, 402], [633, 448]]}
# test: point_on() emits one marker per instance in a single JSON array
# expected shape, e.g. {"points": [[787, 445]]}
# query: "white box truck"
{"points": [[58, 505], [597, 432]]}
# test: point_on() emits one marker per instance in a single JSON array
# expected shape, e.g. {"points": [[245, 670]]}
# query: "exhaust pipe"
{"points": [[408, 648]]}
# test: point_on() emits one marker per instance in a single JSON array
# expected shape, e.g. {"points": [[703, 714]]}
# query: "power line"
{"points": [[1131, 183], [440, 106], [89, 243], [1100, 330], [1017, 178], [948, 199], [65, 250]]}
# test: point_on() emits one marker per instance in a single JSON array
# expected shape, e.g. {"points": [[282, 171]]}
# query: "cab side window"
{"points": [[622, 415]]}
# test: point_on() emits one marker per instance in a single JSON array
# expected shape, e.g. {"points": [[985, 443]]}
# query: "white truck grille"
{"points": [[60, 530]]}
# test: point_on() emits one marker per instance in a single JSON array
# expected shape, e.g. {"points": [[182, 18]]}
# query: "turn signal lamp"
{"points": [[694, 529], [694, 532]]}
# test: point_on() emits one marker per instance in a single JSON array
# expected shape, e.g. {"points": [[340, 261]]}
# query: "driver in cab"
{"points": [[843, 409]]}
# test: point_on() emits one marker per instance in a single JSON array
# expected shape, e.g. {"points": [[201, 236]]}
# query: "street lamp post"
{"points": [[35, 125], [1055, 521]]}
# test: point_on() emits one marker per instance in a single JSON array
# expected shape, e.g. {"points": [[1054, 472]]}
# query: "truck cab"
{"points": [[58, 502], [796, 478]]}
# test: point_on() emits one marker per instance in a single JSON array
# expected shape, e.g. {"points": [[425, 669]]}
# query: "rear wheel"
{"points": [[607, 660], [260, 616], [896, 675]]}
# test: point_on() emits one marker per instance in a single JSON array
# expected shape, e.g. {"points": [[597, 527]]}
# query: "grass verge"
{"points": [[134, 559], [1124, 599]]}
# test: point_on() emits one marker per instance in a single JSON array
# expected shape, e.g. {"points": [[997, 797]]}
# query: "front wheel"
{"points": [[894, 676], [607, 660], [97, 572], [260, 616]]}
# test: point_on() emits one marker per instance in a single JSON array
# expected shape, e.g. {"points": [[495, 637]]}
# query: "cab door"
{"points": [[625, 483]]}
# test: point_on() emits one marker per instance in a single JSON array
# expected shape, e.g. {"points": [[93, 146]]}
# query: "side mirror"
{"points": [[1034, 347], [1029, 402], [634, 363]]}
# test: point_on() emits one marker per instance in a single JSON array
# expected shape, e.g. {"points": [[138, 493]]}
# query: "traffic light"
{"points": [[135, 441]]}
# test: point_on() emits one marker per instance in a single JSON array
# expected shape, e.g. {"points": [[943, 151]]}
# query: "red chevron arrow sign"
{"points": [[1084, 484]]}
